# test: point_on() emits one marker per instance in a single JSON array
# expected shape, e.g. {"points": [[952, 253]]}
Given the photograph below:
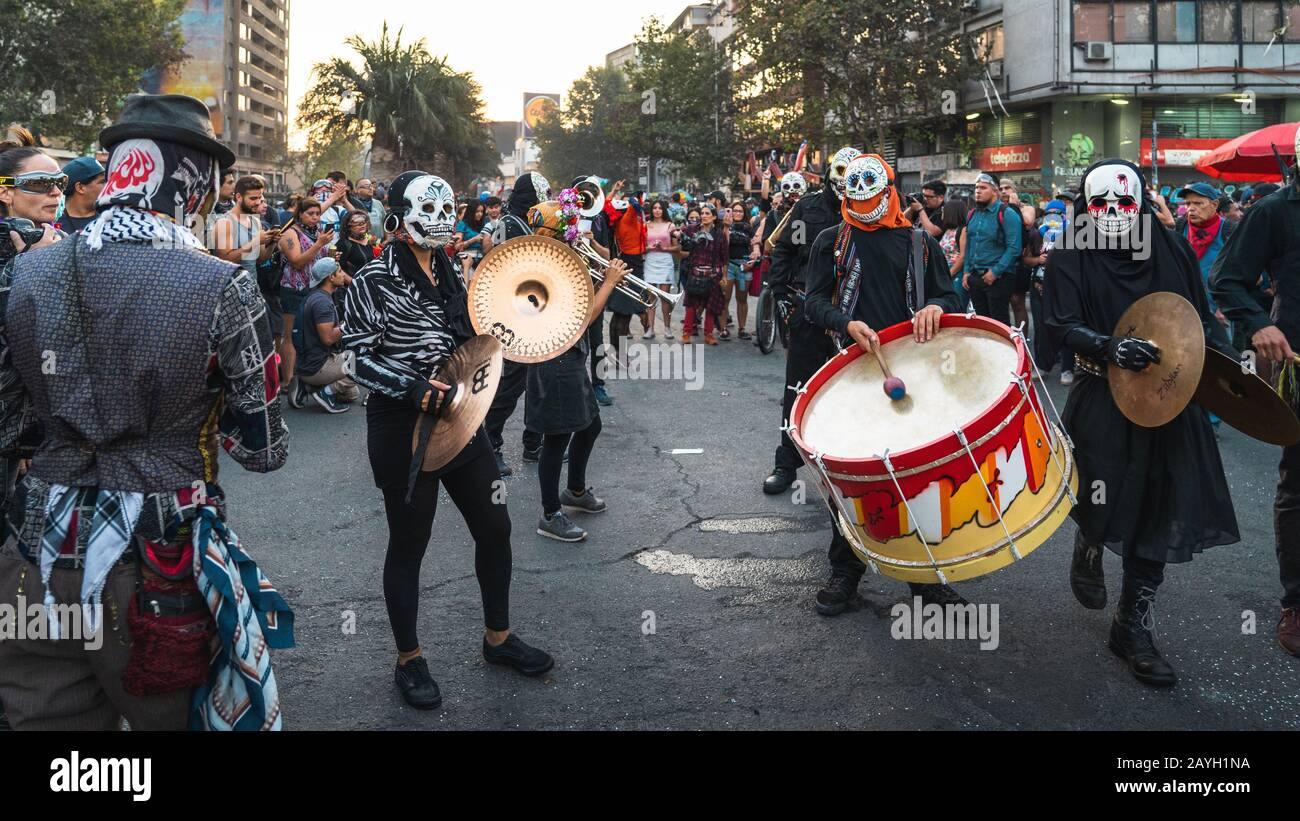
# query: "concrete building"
{"points": [[1079, 80], [621, 58], [256, 86]]}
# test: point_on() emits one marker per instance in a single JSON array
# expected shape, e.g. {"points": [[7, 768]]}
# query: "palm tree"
{"points": [[419, 112]]}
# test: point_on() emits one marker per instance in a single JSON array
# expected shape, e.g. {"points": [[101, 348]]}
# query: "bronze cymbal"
{"points": [[474, 370], [1239, 397], [1153, 396], [533, 294]]}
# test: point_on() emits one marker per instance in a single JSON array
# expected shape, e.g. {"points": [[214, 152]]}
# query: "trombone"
{"points": [[632, 286]]}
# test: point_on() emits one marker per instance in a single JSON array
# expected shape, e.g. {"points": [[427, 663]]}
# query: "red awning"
{"points": [[1249, 158]]}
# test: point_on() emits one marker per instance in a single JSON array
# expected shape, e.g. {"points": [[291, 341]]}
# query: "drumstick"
{"points": [[894, 387]]}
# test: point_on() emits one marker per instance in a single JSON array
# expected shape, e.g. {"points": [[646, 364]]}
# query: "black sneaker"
{"points": [[502, 468], [559, 527], [416, 685], [532, 454], [326, 400], [514, 653], [588, 502], [298, 394], [837, 596]]}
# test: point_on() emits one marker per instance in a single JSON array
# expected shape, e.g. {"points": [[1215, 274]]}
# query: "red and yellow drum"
{"points": [[962, 476]]}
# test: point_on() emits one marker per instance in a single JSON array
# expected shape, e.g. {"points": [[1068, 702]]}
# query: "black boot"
{"points": [[778, 481], [940, 594], [1132, 635], [1087, 579], [837, 595]]}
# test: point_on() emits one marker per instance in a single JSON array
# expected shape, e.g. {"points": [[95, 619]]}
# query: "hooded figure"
{"points": [[1151, 495]]}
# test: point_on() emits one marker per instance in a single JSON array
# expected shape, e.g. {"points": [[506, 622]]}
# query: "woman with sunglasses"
{"points": [[31, 186]]}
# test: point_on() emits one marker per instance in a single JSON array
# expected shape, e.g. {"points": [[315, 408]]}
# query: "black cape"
{"points": [[1151, 493]]}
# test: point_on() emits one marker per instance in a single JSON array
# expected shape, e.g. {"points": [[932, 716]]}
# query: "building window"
{"points": [[1091, 21], [1218, 21], [1133, 22], [243, 54], [989, 43], [1259, 21], [1176, 22], [243, 102], [243, 31]]}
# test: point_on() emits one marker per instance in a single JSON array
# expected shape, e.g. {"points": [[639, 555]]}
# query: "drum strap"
{"points": [[916, 265]]}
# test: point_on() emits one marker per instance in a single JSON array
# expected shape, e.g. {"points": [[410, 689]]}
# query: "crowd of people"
{"points": [[109, 430]]}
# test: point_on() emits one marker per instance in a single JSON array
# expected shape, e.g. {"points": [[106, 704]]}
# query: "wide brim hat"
{"points": [[176, 118]]}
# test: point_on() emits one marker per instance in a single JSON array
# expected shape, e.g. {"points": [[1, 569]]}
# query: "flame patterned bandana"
{"points": [[170, 179]]}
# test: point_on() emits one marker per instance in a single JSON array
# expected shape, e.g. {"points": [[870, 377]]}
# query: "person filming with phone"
{"points": [[300, 245]]}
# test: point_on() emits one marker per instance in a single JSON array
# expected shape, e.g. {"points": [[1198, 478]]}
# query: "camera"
{"points": [[915, 196], [30, 232]]}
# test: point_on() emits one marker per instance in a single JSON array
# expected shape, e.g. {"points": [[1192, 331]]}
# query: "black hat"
{"points": [[176, 118]]}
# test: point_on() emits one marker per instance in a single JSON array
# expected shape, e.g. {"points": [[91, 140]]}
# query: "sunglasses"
{"points": [[36, 182]]}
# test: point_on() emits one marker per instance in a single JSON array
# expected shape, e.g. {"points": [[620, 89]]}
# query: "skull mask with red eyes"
{"points": [[1114, 195]]}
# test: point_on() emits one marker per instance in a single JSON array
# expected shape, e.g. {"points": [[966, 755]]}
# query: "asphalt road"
{"points": [[727, 576]]}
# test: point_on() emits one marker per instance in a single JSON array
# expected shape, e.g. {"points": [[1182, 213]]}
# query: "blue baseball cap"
{"points": [[323, 269], [82, 169], [1203, 189]]}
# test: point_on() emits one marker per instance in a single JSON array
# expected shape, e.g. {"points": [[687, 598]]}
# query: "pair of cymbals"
{"points": [[1188, 370], [473, 371]]}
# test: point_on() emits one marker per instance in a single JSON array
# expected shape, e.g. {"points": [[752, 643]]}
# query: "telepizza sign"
{"points": [[1011, 158]]}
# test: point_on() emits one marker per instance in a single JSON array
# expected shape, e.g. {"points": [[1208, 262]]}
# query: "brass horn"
{"points": [[591, 199], [632, 286]]}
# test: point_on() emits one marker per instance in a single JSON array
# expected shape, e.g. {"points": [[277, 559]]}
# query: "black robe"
{"points": [[1151, 493]]}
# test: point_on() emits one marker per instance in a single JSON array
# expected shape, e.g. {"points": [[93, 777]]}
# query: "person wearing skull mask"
{"points": [[1267, 240], [1165, 497], [530, 189], [861, 278], [405, 313], [126, 447], [809, 346]]}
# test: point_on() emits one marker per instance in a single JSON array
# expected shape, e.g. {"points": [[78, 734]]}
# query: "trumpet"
{"points": [[632, 286]]}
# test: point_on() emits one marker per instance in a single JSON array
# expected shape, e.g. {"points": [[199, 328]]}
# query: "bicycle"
{"points": [[772, 321]]}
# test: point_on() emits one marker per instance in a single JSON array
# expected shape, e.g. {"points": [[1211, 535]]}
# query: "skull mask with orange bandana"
{"points": [[870, 199]]}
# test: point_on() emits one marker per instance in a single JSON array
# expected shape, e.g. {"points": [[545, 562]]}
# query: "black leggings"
{"points": [[552, 460], [472, 489]]}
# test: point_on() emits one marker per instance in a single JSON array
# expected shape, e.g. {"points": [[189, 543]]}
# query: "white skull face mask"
{"points": [[793, 185], [430, 211], [1114, 195], [840, 166], [865, 179]]}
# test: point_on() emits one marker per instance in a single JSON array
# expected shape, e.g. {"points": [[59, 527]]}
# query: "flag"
{"points": [[751, 165]]}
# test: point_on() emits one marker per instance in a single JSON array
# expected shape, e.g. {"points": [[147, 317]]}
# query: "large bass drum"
{"points": [[962, 476]]}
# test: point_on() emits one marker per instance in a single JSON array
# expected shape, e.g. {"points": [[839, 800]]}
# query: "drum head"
{"points": [[950, 380]]}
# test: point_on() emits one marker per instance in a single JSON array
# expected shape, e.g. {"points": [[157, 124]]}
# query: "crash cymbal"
{"points": [[1153, 396], [473, 370], [532, 293], [1239, 397]]}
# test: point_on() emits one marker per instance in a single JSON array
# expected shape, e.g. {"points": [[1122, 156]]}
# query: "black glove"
{"points": [[1132, 353], [418, 391]]}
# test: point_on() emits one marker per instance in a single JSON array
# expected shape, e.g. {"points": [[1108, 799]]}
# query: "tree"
{"points": [[683, 83], [832, 70], [589, 135], [69, 64], [418, 110]]}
